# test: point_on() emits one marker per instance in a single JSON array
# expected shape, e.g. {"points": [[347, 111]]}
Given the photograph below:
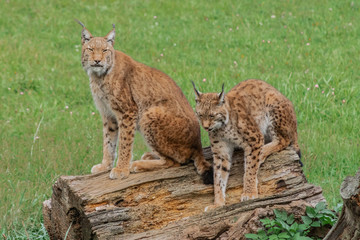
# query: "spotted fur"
{"points": [[130, 95], [253, 116]]}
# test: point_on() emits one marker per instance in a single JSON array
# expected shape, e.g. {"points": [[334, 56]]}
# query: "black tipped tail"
{"points": [[208, 176], [299, 154]]}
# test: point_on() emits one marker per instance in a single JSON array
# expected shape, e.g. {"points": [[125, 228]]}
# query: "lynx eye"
{"points": [[211, 116], [105, 50], [90, 49]]}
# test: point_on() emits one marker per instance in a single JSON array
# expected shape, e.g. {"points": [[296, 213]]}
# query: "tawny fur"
{"points": [[253, 116], [130, 95]]}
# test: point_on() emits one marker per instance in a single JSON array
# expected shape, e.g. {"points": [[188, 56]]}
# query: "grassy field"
{"points": [[49, 126]]}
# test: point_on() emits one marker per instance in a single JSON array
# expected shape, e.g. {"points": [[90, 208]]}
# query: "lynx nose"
{"points": [[206, 125], [97, 61]]}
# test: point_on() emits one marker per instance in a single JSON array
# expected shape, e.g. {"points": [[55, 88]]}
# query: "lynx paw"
{"points": [[211, 207], [117, 173], [248, 196], [98, 168], [134, 167]]}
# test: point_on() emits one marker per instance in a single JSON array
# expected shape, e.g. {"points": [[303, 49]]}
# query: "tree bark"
{"points": [[169, 204], [348, 225]]}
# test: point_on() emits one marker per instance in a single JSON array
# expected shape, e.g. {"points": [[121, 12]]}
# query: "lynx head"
{"points": [[97, 52], [211, 110]]}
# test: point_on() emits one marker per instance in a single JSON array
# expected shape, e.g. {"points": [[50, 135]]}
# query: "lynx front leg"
{"points": [[222, 162], [126, 140], [110, 135]]}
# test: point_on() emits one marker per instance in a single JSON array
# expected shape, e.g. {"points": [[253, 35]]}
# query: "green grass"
{"points": [[293, 45]]}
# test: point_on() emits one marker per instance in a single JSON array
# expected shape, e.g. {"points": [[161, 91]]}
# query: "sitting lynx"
{"points": [[130, 95], [253, 116]]}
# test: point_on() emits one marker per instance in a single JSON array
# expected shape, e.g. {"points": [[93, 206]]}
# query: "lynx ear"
{"points": [[110, 37], [197, 93], [85, 34], [222, 95]]}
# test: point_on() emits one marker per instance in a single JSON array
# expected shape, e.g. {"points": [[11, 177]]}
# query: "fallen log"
{"points": [[348, 225], [169, 204]]}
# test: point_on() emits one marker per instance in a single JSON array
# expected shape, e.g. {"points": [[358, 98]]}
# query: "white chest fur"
{"points": [[227, 134], [100, 96]]}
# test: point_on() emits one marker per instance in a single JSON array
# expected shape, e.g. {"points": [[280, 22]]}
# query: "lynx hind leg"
{"points": [[293, 134], [173, 137], [283, 131], [252, 162], [278, 144], [251, 168]]}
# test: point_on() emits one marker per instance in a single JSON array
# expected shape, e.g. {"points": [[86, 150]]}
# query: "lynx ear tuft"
{"points": [[197, 93], [110, 37], [78, 21], [222, 95], [85, 34]]}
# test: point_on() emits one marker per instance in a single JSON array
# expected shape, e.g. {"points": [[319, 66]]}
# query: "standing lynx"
{"points": [[129, 96], [253, 116]]}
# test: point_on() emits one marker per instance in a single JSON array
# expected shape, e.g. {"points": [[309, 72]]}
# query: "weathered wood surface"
{"points": [[348, 225], [169, 204]]}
